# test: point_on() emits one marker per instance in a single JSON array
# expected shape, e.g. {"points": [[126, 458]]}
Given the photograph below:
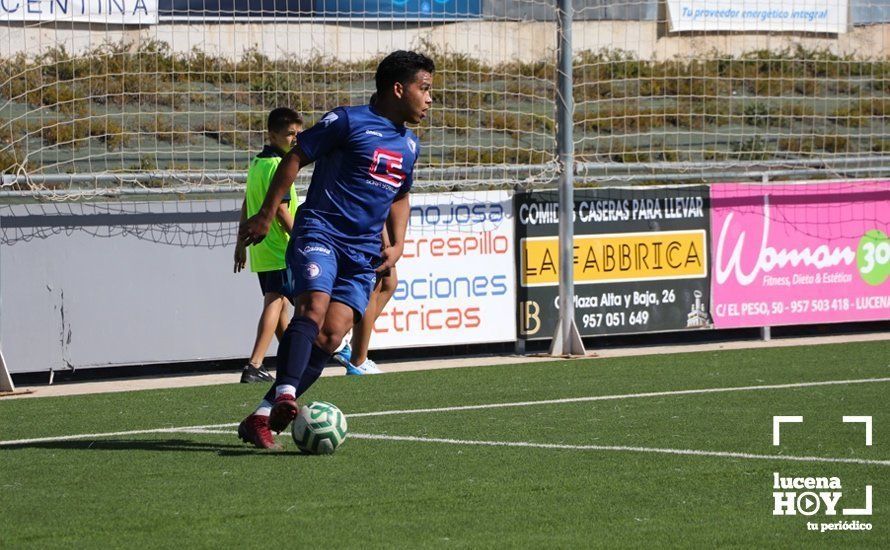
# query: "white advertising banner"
{"points": [[113, 12], [457, 281], [817, 16]]}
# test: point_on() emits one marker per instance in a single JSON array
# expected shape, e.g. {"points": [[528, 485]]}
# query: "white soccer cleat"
{"points": [[369, 367]]}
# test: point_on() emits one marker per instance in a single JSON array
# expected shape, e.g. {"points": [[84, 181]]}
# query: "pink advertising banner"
{"points": [[804, 253]]}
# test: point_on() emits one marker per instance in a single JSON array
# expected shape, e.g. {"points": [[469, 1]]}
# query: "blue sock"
{"points": [[317, 360], [294, 351]]}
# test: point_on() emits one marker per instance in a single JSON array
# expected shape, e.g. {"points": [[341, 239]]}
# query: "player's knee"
{"points": [[389, 283], [329, 339], [314, 307]]}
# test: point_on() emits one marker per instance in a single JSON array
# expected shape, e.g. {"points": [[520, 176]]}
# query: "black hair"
{"points": [[401, 66], [281, 118]]}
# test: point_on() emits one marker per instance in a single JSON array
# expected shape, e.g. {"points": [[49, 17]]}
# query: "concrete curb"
{"points": [[154, 383]]}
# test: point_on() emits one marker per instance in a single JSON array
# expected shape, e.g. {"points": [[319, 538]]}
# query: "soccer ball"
{"points": [[319, 428]]}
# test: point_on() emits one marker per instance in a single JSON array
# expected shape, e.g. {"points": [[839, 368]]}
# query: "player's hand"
{"points": [[389, 256], [240, 257], [253, 230]]}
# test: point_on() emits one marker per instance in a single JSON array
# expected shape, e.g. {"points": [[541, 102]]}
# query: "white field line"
{"points": [[199, 430], [613, 448], [182, 429], [626, 396], [619, 448], [205, 427]]}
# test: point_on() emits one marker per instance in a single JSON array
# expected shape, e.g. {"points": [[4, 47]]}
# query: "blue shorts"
{"points": [[346, 275], [278, 282]]}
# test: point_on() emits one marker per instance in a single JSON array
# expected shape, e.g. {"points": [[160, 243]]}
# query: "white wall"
{"points": [[96, 295]]}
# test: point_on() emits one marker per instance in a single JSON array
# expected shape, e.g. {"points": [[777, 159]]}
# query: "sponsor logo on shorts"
{"points": [[315, 248], [313, 270]]}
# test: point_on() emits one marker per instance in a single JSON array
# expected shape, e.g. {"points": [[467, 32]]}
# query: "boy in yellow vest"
{"points": [[267, 257]]}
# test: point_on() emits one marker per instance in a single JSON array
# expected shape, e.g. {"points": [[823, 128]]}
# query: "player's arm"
{"points": [[240, 248], [396, 226], [255, 228], [284, 217]]}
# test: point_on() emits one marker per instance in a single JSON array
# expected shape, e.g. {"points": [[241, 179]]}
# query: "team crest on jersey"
{"points": [[413, 146], [386, 167], [329, 119], [312, 270]]}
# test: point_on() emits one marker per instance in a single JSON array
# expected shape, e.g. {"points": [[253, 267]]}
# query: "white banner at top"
{"points": [[112, 12], [817, 16]]}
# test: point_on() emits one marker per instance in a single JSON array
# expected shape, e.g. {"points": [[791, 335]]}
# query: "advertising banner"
{"points": [[456, 276], [816, 16], [238, 10], [800, 253], [640, 260], [119, 12], [410, 9]]}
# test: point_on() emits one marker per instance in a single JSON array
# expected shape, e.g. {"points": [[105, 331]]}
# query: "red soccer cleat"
{"points": [[255, 429], [283, 412]]}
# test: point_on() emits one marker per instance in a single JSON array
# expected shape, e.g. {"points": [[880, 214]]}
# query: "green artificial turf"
{"points": [[201, 490]]}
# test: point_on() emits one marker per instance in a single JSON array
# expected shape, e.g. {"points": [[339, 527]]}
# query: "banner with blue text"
{"points": [[815, 16]]}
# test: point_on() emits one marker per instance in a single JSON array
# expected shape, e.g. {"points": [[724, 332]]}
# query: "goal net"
{"points": [[100, 96], [180, 99]]}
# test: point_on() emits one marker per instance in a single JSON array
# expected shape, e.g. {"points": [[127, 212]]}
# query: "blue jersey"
{"points": [[363, 162]]}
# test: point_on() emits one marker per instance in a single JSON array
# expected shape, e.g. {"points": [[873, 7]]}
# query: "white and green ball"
{"points": [[319, 428]]}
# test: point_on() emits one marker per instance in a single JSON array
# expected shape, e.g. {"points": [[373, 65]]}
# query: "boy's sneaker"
{"points": [[255, 429], [352, 370], [369, 367], [342, 357], [252, 374], [284, 410]]}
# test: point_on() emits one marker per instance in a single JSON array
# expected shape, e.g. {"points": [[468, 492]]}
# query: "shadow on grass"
{"points": [[163, 445]]}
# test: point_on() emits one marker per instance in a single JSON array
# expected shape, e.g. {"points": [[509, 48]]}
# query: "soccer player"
{"points": [[267, 257], [354, 357], [364, 162]]}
